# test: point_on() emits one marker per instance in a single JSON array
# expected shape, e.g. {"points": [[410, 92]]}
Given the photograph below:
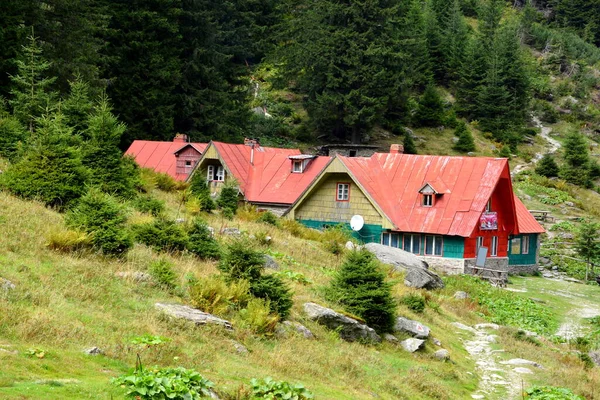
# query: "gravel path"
{"points": [[554, 145]]}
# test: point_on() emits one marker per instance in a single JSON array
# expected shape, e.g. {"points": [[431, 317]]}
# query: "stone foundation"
{"points": [[523, 269], [448, 266], [277, 210], [495, 263]]}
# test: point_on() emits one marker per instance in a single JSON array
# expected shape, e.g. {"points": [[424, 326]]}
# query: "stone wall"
{"points": [[495, 263], [523, 269], [277, 210], [449, 266]]}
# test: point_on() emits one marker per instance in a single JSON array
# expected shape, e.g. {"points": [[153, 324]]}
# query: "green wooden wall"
{"points": [[524, 259], [368, 234]]}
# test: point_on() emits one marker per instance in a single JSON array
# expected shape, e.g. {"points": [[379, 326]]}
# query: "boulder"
{"points": [[413, 328], [442, 355], [349, 328], [7, 285], [461, 295], [520, 361], [487, 326], [523, 370], [191, 314], [423, 279], [437, 342], [270, 263], [93, 351], [350, 245], [411, 345], [463, 327], [239, 348], [304, 331], [231, 232], [136, 276], [595, 356], [400, 260], [388, 337]]}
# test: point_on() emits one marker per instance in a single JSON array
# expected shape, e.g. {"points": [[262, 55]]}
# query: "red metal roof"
{"points": [[526, 222], [160, 156], [393, 181]]}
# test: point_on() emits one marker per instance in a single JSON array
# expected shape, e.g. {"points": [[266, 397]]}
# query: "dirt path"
{"points": [[554, 145], [572, 327]]}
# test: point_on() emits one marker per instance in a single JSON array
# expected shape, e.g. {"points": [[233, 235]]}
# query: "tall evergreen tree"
{"points": [[456, 36], [472, 72], [494, 102], [78, 105], [465, 142], [547, 167], [12, 134], [430, 111], [577, 160], [414, 33]]}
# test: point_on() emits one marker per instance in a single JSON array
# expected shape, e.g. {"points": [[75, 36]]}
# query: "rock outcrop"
{"points": [[413, 328], [191, 314], [349, 328], [411, 345]]}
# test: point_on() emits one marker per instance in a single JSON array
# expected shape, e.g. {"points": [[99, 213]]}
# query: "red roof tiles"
{"points": [[527, 222]]}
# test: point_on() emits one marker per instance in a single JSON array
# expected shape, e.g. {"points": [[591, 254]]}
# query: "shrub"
{"points": [[547, 167], [161, 235], [258, 316], [241, 261], [334, 238], [551, 393], [270, 389], [12, 135], [215, 296], [430, 111], [200, 189], [165, 182], [67, 240], [162, 271], [275, 290], [164, 383], [263, 238], [409, 144], [201, 241], [101, 216], [268, 218], [465, 142], [359, 286], [149, 205], [228, 199], [414, 301]]}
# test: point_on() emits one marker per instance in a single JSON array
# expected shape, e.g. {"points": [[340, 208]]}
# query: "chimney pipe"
{"points": [[396, 149]]}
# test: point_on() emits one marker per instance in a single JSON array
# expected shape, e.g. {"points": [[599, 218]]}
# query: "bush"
{"points": [[241, 261], [149, 205], [165, 182], [101, 216], [162, 271], [547, 167], [276, 292], [268, 217], [334, 238], [359, 286], [215, 296], [67, 240], [201, 191], [161, 235], [270, 389], [201, 242], [258, 316], [415, 302], [465, 142], [551, 393], [228, 199], [165, 383], [430, 111]]}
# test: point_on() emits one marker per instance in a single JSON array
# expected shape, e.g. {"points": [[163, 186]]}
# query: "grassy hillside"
{"points": [[66, 303]]}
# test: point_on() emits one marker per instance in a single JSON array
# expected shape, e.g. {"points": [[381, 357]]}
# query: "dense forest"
{"points": [[316, 68]]}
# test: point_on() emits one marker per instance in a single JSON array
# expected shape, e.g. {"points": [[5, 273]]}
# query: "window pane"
{"points": [[416, 245], [211, 173], [407, 242], [438, 246], [394, 240], [494, 246], [429, 245], [385, 239], [525, 247], [515, 246]]}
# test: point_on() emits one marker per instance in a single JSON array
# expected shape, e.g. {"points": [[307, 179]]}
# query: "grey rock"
{"points": [[239, 348], [400, 260], [93, 351], [529, 333], [388, 337], [231, 231], [7, 285], [471, 154], [573, 280], [411, 345], [442, 355], [436, 341], [211, 230], [270, 263], [526, 197], [180, 220], [135, 276], [521, 361], [490, 338], [350, 245], [523, 370], [461, 295], [191, 314], [569, 204], [300, 329], [555, 268], [487, 326], [463, 327], [544, 260], [455, 140], [349, 328], [566, 235], [413, 328], [423, 279], [595, 356]]}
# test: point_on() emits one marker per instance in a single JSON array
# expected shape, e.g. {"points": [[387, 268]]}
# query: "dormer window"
{"points": [[215, 173], [427, 200], [297, 166], [188, 163]]}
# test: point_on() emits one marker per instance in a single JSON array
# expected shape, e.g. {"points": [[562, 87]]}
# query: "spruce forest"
{"points": [[118, 281]]}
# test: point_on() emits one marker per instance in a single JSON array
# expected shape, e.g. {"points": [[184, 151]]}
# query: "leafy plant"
{"points": [[258, 316], [414, 301], [162, 235], [67, 240], [268, 217], [294, 276], [165, 383], [215, 296], [162, 271], [334, 238], [148, 340], [551, 393], [150, 205], [36, 352], [201, 241], [269, 388]]}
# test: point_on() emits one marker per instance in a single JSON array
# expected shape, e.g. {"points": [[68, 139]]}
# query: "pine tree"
{"points": [[577, 160], [414, 33], [494, 103], [409, 144], [587, 244], [430, 111], [360, 287], [455, 41], [465, 142], [200, 189], [12, 135], [51, 169], [31, 87], [201, 242], [471, 76], [78, 106], [547, 167], [102, 155]]}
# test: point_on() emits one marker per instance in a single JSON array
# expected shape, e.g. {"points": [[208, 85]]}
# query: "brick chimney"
{"points": [[251, 142], [180, 138], [396, 149]]}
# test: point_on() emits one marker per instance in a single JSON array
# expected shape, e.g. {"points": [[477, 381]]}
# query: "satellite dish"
{"points": [[357, 222]]}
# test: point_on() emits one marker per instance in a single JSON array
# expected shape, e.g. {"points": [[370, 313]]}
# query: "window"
{"points": [[188, 163], [352, 153], [210, 175], [297, 166], [427, 200], [395, 240], [343, 192], [220, 174], [433, 245], [525, 246], [385, 239], [488, 206], [391, 239], [494, 250], [412, 243], [515, 246], [479, 242]]}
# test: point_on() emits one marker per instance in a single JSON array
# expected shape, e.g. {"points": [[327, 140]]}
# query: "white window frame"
{"points": [[434, 239], [297, 166], [525, 245], [427, 200], [189, 163], [343, 192], [479, 242], [513, 242], [210, 173], [220, 176], [494, 247]]}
